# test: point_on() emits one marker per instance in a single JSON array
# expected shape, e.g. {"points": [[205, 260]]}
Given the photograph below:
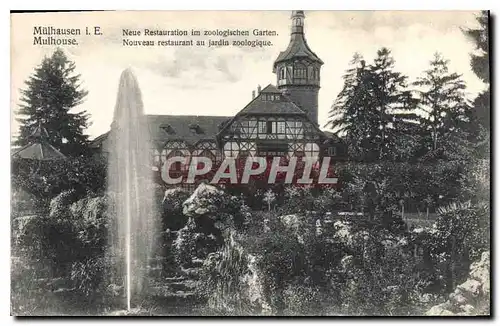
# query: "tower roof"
{"points": [[297, 48], [38, 148]]}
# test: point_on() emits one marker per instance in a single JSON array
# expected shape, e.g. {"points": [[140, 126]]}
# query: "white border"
{"points": [[182, 5]]}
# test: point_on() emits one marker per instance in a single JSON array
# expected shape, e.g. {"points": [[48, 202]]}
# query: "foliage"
{"points": [[172, 215], [374, 109], [88, 275], [269, 198], [229, 283], [194, 243], [297, 200], [46, 180], [481, 67], [350, 115], [480, 36], [392, 103], [71, 232], [447, 116], [461, 234], [52, 91]]}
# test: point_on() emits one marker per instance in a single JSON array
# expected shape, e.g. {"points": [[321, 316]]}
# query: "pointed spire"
{"points": [[297, 48]]}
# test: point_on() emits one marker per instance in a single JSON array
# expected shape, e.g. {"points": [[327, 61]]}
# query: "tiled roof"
{"points": [[96, 142], [331, 136], [41, 151], [260, 105], [297, 48], [189, 128], [270, 89]]}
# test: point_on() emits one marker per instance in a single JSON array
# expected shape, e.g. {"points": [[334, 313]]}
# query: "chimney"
{"points": [[253, 95], [258, 89]]}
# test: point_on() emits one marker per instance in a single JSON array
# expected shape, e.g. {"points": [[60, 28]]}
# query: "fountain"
{"points": [[132, 215]]}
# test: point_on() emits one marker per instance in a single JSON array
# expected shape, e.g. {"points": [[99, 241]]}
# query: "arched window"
{"points": [[299, 72], [282, 73]]}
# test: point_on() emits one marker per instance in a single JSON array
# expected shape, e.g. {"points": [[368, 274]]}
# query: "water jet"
{"points": [[132, 217]]}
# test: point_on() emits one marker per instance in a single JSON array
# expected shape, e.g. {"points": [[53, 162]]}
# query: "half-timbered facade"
{"points": [[280, 120]]}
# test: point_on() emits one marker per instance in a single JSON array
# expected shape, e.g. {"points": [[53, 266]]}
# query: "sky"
{"points": [[219, 81]]}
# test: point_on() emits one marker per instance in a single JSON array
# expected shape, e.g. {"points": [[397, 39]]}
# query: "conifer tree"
{"points": [[447, 112], [52, 91], [350, 116], [393, 103], [480, 58], [374, 110], [480, 66]]}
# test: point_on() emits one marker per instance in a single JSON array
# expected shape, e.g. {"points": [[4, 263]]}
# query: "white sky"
{"points": [[203, 81]]}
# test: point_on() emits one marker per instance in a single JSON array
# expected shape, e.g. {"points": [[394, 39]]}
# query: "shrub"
{"points": [[172, 215], [230, 283], [193, 244], [87, 276], [459, 236]]}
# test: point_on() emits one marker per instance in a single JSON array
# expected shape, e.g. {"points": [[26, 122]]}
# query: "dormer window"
{"points": [[271, 97], [168, 129], [195, 128]]}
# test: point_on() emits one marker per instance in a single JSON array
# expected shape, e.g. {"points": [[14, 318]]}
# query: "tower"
{"points": [[298, 69]]}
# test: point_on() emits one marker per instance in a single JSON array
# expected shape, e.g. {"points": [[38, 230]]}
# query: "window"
{"points": [[298, 22], [262, 127], [311, 150], [231, 149], [332, 151], [176, 166], [271, 127], [271, 97], [281, 127], [282, 73], [315, 74], [299, 72]]}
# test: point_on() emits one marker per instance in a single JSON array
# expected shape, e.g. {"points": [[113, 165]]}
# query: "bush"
{"points": [[459, 236], [229, 282], [48, 179], [87, 276], [72, 232], [194, 244], [172, 215]]}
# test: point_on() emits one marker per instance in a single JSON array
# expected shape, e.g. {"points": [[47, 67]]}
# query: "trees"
{"points": [[373, 110], [480, 66], [446, 117], [350, 116], [52, 91], [394, 104], [480, 36]]}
